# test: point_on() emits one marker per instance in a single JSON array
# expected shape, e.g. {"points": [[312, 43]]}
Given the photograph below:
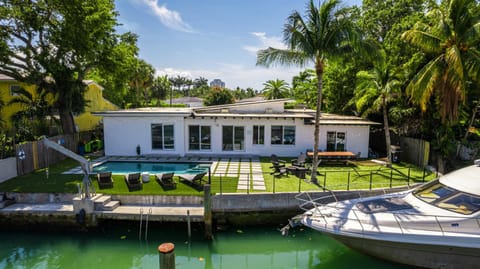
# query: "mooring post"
{"points": [[189, 229], [166, 255], [207, 204]]}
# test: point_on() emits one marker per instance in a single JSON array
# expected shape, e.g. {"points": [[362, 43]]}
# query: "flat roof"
{"points": [[146, 112]]}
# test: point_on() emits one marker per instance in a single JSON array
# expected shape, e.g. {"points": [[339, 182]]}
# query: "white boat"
{"points": [[435, 225]]}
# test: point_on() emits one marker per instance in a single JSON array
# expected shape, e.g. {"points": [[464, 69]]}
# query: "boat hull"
{"points": [[420, 255]]}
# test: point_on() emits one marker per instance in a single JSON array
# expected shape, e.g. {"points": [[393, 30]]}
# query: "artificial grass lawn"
{"points": [[335, 177], [356, 175]]}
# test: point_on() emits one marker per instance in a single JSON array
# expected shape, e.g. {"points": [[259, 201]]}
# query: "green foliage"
{"points": [[276, 89], [450, 39], [304, 87], [6, 145], [219, 96], [54, 44]]}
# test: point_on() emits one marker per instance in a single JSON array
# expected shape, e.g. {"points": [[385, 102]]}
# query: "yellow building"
{"points": [[85, 121]]}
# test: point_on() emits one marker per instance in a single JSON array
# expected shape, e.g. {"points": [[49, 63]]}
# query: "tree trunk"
{"points": [[68, 123], [319, 71], [387, 131]]}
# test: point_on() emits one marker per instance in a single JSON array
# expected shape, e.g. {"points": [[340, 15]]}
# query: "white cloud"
{"points": [[265, 42], [191, 74], [169, 18]]}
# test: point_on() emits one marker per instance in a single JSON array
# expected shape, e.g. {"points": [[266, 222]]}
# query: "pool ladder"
{"points": [[146, 223]]}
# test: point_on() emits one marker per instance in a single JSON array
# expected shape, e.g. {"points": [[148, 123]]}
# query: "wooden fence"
{"points": [[35, 155], [415, 151]]}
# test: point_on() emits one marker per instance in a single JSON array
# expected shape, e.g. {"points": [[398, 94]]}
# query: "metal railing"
{"points": [[440, 224]]}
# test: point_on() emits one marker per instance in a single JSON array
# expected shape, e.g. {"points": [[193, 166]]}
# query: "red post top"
{"points": [[166, 248]]}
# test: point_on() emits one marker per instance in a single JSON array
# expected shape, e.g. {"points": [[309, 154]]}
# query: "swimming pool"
{"points": [[117, 167]]}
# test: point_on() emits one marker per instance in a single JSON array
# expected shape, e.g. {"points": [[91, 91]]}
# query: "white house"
{"points": [[250, 128]]}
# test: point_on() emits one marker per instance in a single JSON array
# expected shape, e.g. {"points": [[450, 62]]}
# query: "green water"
{"points": [[118, 246]]}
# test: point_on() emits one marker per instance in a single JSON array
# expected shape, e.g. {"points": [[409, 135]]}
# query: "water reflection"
{"points": [[119, 247]]}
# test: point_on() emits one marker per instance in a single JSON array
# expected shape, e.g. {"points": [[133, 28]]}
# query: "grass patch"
{"points": [[357, 175], [361, 175]]}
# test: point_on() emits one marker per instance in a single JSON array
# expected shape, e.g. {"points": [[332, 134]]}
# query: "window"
{"points": [[233, 138], [283, 135], [15, 90], [199, 137], [336, 141], [435, 193], [162, 136], [258, 134]]}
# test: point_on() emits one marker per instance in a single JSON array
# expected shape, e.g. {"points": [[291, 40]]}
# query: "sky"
{"points": [[211, 38]]}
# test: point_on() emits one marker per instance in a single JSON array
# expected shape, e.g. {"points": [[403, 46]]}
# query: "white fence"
{"points": [[8, 169]]}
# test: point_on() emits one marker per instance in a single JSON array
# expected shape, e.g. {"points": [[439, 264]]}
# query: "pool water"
{"points": [[118, 246], [150, 167]]}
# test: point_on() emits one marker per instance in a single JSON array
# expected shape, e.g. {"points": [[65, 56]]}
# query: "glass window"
{"points": [[205, 142], [199, 137], [168, 137], [233, 138], [162, 136], [258, 135], [433, 192], [462, 203], [15, 90], [336, 141], [283, 135]]}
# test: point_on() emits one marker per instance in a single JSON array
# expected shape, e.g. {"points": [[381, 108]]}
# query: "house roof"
{"points": [[148, 111], [242, 110]]}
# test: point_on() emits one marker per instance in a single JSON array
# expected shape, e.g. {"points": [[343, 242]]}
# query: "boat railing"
{"points": [[307, 201]]}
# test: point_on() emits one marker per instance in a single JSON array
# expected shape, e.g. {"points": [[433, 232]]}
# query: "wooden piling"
{"points": [[189, 227], [207, 203], [166, 253]]}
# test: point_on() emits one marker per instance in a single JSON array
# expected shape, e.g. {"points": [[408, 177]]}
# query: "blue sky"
{"points": [[211, 38]]}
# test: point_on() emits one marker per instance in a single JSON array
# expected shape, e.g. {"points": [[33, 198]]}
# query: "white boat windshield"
{"points": [[437, 194]]}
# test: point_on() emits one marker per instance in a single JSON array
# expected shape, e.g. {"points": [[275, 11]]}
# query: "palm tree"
{"points": [[315, 37], [36, 108], [275, 89], [375, 88], [451, 41]]}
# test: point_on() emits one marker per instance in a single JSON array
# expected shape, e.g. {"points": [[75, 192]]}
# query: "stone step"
{"points": [[100, 202], [111, 205]]}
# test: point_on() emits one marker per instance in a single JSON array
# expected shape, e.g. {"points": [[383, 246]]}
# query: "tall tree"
{"points": [[317, 36], [53, 44], [140, 82], [304, 86], [375, 89], [160, 88], [275, 89], [451, 42], [219, 96], [36, 107]]}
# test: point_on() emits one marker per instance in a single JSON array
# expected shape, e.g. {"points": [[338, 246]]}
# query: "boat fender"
{"points": [[81, 217]]}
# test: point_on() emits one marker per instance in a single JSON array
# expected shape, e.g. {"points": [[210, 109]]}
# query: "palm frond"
{"points": [[453, 59], [427, 42], [271, 57], [423, 83]]}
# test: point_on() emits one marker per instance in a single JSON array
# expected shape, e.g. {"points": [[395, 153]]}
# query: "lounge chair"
{"points": [[105, 180], [300, 160], [278, 170], [192, 177], [275, 161], [133, 181], [166, 180]]}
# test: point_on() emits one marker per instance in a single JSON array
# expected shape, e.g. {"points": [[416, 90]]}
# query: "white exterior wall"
{"points": [[123, 134]]}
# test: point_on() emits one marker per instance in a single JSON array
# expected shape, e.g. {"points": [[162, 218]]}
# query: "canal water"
{"points": [[120, 245]]}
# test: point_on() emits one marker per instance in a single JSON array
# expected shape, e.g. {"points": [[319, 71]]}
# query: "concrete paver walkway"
{"points": [[247, 169]]}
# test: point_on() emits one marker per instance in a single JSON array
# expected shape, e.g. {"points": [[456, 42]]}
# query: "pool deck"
{"points": [[247, 169]]}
